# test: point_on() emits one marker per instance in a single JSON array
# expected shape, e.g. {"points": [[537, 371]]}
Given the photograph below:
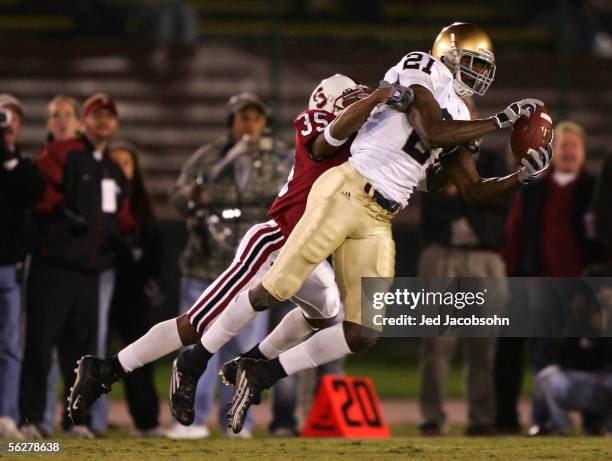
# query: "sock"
{"points": [[234, 318], [275, 372], [255, 353], [194, 360], [324, 346], [160, 340], [289, 332], [117, 370]]}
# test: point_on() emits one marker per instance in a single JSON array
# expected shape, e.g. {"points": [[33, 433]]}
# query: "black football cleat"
{"points": [[183, 387], [228, 370], [94, 377], [228, 374], [251, 381]]}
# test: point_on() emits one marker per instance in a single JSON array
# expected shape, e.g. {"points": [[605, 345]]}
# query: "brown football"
{"points": [[531, 133]]}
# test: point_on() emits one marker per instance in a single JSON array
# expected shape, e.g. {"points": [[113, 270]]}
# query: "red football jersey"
{"points": [[290, 204]]}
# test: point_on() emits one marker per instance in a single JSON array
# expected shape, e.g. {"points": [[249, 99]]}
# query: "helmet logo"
{"points": [[320, 98]]}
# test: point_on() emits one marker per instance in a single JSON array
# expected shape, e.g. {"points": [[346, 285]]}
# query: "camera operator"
{"points": [[224, 188], [21, 186]]}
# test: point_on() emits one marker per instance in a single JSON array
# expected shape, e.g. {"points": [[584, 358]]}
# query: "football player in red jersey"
{"points": [[319, 145]]}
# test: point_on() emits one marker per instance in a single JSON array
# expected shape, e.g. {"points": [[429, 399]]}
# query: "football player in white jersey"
{"points": [[351, 206]]}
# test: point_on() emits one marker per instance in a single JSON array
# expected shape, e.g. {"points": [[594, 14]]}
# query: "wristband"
{"points": [[330, 139]]}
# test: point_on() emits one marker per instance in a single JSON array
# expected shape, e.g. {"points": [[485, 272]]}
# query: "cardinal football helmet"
{"points": [[333, 93]]}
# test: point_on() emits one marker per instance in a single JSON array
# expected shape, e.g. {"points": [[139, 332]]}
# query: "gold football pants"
{"points": [[340, 219]]}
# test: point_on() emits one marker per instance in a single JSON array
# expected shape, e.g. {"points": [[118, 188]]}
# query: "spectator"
{"points": [[548, 236], [225, 188], [62, 124], [79, 227], [463, 241], [603, 206], [21, 186], [63, 121], [577, 378], [137, 267]]}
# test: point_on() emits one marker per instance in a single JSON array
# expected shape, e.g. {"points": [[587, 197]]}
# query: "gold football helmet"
{"points": [[467, 51]]}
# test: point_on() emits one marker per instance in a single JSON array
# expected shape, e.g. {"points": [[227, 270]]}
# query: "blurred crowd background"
{"points": [[164, 71]]}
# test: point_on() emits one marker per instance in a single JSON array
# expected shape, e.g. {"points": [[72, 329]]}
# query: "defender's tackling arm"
{"points": [[350, 119]]}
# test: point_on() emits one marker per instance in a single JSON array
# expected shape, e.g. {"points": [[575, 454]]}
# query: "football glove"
{"points": [[535, 164], [522, 108], [400, 96]]}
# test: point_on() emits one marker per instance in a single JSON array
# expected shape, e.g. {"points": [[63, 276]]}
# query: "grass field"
{"points": [[403, 447]]}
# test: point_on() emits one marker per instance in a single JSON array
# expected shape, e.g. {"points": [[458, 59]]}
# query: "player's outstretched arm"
{"points": [[350, 120], [460, 168], [425, 116]]}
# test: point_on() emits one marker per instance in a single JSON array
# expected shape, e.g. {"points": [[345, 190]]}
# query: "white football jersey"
{"points": [[387, 150]]}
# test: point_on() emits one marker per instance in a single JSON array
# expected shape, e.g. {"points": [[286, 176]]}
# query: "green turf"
{"points": [[444, 448]]}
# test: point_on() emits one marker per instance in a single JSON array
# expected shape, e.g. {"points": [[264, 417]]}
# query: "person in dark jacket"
{"points": [[63, 123], [603, 206], [21, 186], [78, 224], [463, 240], [137, 268], [549, 235]]}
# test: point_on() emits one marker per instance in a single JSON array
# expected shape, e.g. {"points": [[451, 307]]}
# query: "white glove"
{"points": [[514, 111], [536, 163]]}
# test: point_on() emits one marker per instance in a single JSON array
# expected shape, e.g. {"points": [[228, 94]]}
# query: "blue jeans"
{"points": [[10, 347], [566, 390], [99, 410], [191, 289], [50, 409]]}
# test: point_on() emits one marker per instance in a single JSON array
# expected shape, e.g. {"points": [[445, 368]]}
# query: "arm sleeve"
{"points": [[603, 204], [127, 220], [51, 166], [27, 183], [179, 195]]}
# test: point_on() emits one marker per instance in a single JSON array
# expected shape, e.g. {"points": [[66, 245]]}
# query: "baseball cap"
{"points": [[99, 101], [7, 100], [246, 99]]}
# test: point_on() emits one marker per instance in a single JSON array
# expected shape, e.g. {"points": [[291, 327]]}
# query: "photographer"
{"points": [[224, 188], [21, 186]]}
